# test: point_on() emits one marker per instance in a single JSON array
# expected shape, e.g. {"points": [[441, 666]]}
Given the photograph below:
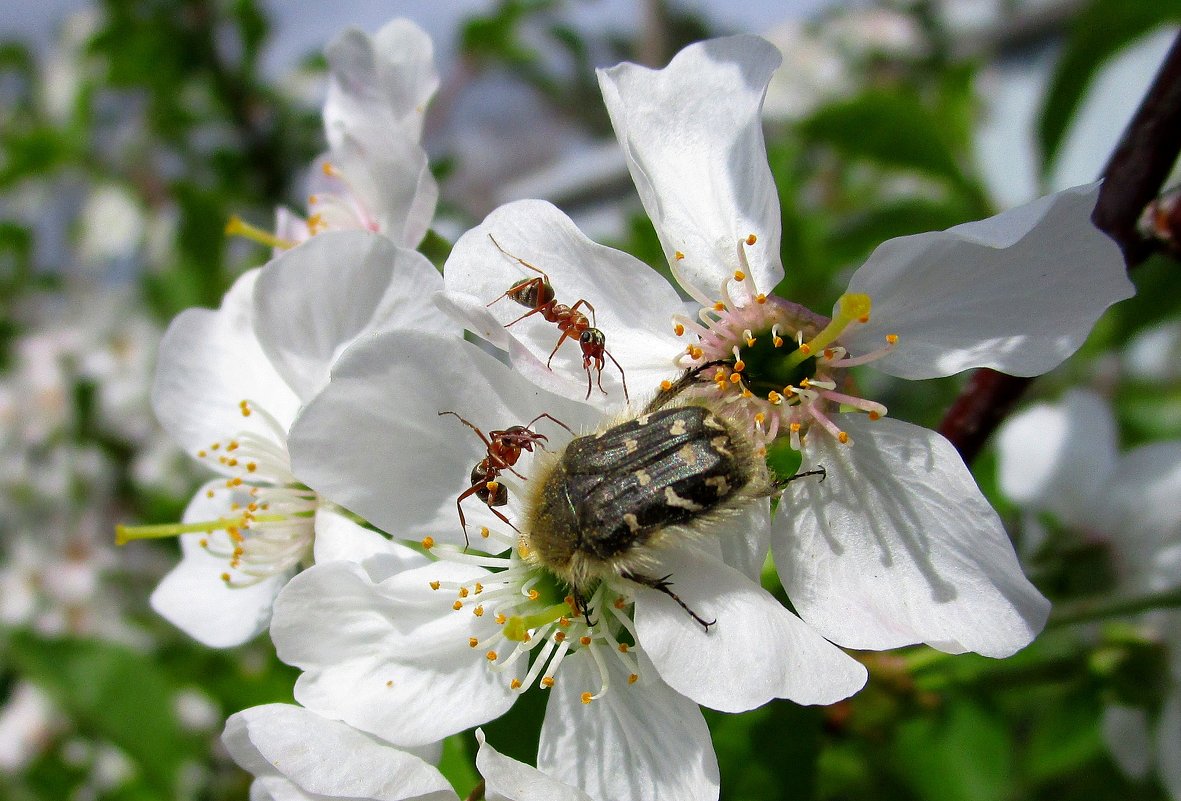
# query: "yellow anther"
{"points": [[457, 605], [231, 462], [251, 467], [534, 595], [492, 486], [428, 542], [389, 683], [209, 493], [750, 240], [739, 275], [464, 592], [843, 438], [679, 330], [760, 298], [678, 255], [794, 428], [694, 351], [774, 397], [490, 656], [666, 385], [891, 339], [233, 446], [633, 678], [479, 588], [547, 682], [739, 366], [805, 349], [435, 585], [760, 418], [478, 611], [719, 306], [225, 577], [875, 416], [515, 684], [746, 394], [777, 342], [623, 648], [484, 532], [750, 342], [204, 543], [215, 446], [584, 640], [735, 378], [619, 603], [201, 454], [313, 200], [501, 619], [329, 170], [559, 636], [523, 550], [473, 642], [587, 698]]}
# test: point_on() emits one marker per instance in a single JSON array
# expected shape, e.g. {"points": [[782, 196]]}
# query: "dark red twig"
{"points": [[1133, 176]]}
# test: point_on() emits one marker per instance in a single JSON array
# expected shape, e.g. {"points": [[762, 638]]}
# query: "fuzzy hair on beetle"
{"points": [[605, 505]]}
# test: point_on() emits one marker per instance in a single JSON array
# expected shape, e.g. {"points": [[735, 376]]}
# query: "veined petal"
{"points": [[324, 758], [338, 537], [509, 780], [693, 136], [1059, 457], [898, 546], [194, 598], [210, 361], [632, 304], [314, 299], [639, 742], [1018, 292], [375, 443], [388, 658], [379, 86], [754, 652]]}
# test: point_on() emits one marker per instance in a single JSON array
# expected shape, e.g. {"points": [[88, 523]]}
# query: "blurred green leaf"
{"points": [[1102, 29], [769, 753], [965, 754], [113, 693], [890, 127]]}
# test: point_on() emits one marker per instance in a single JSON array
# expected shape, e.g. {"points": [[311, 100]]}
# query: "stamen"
{"points": [[239, 227]]}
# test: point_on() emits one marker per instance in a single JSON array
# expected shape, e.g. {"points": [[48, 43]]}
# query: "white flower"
{"points": [[229, 384], [375, 176], [296, 755], [421, 654], [1063, 459], [898, 546]]}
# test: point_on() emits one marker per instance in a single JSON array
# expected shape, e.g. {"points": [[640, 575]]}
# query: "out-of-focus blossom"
{"points": [[1063, 459], [28, 723], [296, 755]]}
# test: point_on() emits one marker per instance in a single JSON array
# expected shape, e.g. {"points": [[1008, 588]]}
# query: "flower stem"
{"points": [[477, 793], [1085, 611]]}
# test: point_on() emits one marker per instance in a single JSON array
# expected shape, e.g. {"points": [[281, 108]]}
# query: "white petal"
{"points": [[314, 299], [1168, 745], [209, 362], [1125, 730], [1018, 292], [756, 650], [327, 758], [193, 596], [509, 780], [1141, 514], [693, 137], [632, 303], [639, 742], [1058, 457], [375, 443], [746, 540], [392, 659], [380, 86], [338, 537], [898, 546]]}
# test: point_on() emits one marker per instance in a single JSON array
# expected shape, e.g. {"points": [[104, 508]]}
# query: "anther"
{"points": [[584, 640], [666, 385], [490, 656], [484, 532], [457, 605], [534, 595], [891, 339], [623, 648], [760, 298], [739, 275], [547, 682], [750, 240], [587, 698], [473, 642], [478, 611], [428, 542], [678, 255], [719, 306], [463, 592], [515, 684], [843, 438]]}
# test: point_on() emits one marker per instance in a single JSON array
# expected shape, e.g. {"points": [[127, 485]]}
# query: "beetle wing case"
{"points": [[606, 501]]}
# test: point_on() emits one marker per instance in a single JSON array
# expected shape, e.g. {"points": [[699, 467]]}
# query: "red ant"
{"points": [[538, 295], [504, 450]]}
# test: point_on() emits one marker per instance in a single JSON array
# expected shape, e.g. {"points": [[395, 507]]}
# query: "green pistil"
{"points": [[851, 307], [517, 627], [767, 368], [125, 534]]}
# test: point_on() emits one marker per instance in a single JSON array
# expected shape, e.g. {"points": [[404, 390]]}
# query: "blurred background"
{"points": [[131, 131]]}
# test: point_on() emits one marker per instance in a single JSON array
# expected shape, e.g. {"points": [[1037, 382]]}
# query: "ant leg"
{"points": [[663, 585], [622, 375], [517, 259], [503, 519], [565, 335], [479, 433], [581, 607], [585, 302]]}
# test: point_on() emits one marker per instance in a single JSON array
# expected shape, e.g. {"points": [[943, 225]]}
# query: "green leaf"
{"points": [[964, 755], [112, 693], [893, 128], [1099, 33]]}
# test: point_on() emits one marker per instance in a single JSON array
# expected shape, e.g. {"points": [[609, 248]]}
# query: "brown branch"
{"points": [[477, 793], [1132, 178]]}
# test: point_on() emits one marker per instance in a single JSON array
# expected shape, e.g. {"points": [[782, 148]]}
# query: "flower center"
{"points": [[270, 526], [537, 621], [779, 364]]}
